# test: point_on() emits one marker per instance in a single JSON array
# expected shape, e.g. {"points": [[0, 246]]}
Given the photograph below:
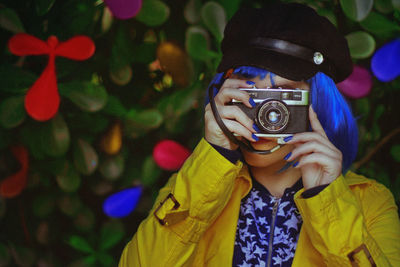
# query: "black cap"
{"points": [[290, 40]]}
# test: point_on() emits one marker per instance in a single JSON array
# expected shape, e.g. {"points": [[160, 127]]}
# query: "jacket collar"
{"points": [[355, 179], [350, 177], [245, 176]]}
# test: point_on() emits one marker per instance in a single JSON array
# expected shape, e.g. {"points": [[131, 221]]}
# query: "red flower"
{"points": [[15, 183], [42, 100]]}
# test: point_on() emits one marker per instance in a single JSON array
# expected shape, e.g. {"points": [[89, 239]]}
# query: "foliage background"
{"points": [[58, 218]]}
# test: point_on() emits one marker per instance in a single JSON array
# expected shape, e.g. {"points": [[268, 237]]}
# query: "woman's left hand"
{"points": [[319, 160]]}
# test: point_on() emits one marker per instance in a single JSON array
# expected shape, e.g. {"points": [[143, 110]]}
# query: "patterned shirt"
{"points": [[260, 214]]}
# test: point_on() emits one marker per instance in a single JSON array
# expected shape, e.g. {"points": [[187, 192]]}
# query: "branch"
{"points": [[367, 157]]}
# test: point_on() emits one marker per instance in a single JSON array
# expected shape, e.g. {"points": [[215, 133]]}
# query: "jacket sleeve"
{"points": [[359, 228], [201, 189]]}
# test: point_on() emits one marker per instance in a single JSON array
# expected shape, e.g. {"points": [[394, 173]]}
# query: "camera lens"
{"points": [[273, 116]]}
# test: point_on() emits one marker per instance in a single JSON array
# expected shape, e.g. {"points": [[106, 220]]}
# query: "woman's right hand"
{"points": [[234, 118]]}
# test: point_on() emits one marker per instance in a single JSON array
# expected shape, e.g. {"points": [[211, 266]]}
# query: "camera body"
{"points": [[278, 112]]}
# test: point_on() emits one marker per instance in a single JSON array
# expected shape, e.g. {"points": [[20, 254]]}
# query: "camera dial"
{"points": [[273, 116]]}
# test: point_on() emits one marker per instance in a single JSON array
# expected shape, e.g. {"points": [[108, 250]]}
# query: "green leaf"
{"points": [[43, 6], [10, 21], [380, 109], [103, 188], [68, 180], [384, 178], [363, 106], [70, 204], [375, 131], [15, 80], [121, 57], [121, 76], [197, 44], [174, 106], [84, 220], [12, 112], [153, 13], [43, 205], [361, 44], [143, 53], [112, 167], [395, 152], [378, 24], [121, 51], [356, 9], [150, 172], [76, 17], [31, 136], [138, 122], [145, 119], [85, 157], [192, 11], [55, 137], [106, 260], [106, 20], [114, 107], [230, 6], [53, 166], [86, 95], [79, 243], [111, 234], [90, 260], [180, 102], [383, 6], [396, 4], [329, 14], [213, 16]]}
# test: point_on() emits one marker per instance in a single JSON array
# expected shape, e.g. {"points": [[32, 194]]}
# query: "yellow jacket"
{"points": [[354, 221]]}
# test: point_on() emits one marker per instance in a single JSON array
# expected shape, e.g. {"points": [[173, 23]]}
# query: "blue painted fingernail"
{"points": [[287, 156], [250, 83], [252, 103], [295, 164], [254, 137], [288, 138], [255, 127]]}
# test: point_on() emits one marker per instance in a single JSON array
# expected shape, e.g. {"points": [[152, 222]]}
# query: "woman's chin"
{"points": [[265, 144], [258, 160]]}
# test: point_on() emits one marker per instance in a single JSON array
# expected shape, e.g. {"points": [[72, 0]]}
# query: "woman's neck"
{"points": [[274, 181]]}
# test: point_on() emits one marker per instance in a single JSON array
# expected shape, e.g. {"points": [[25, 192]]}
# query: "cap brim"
{"points": [[286, 66]]}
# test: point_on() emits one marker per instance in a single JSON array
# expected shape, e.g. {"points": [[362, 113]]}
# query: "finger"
{"points": [[228, 94], [235, 113], [315, 124], [237, 83], [314, 147], [232, 125], [311, 136], [237, 128], [329, 164]]}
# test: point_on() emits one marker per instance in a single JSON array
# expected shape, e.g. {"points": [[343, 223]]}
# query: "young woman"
{"points": [[290, 205]]}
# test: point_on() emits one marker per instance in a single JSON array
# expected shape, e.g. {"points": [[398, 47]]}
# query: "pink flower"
{"points": [[170, 155]]}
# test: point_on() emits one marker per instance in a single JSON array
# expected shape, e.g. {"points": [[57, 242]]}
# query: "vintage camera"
{"points": [[278, 112]]}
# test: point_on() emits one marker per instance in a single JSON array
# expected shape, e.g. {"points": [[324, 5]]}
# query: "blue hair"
{"points": [[332, 110], [335, 116]]}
